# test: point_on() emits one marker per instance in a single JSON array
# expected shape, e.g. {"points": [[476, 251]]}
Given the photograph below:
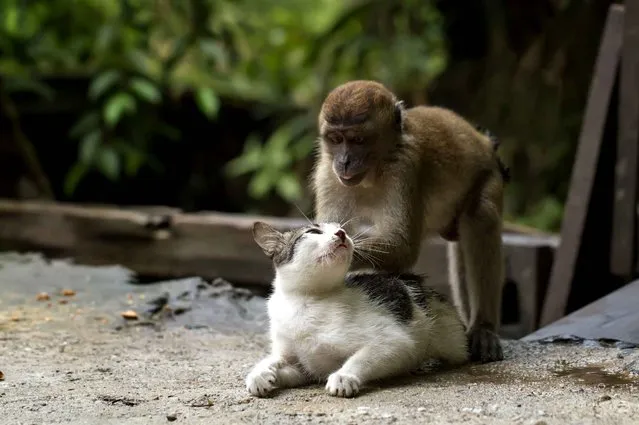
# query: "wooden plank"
{"points": [[614, 316], [530, 270], [171, 243], [583, 175], [624, 241]]}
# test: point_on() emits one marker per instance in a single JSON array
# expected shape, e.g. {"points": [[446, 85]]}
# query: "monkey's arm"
{"points": [[393, 243]]}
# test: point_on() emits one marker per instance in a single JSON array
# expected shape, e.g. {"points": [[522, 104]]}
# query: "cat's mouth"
{"points": [[337, 251]]}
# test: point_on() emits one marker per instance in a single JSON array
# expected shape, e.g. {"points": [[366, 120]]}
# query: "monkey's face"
{"points": [[351, 154]]}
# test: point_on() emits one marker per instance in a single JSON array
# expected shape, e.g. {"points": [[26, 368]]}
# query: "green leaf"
{"points": [[303, 147], [134, 158], [17, 84], [109, 163], [11, 20], [88, 122], [102, 83], [251, 159], [146, 90], [73, 177], [89, 146], [118, 105], [288, 187], [168, 131], [207, 101], [261, 184]]}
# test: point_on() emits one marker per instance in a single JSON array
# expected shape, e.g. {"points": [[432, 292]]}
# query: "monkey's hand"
{"points": [[484, 344]]}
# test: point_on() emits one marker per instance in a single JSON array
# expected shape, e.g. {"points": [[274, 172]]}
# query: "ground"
{"points": [[73, 359]]}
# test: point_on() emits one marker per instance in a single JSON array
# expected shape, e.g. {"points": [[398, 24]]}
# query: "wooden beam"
{"points": [[585, 166], [624, 241], [164, 242], [613, 317]]}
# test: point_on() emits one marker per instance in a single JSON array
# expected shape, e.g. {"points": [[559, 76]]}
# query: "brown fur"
{"points": [[423, 170]]}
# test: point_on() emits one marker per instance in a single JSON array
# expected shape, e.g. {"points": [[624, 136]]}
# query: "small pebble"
{"points": [[171, 417], [129, 315], [363, 410], [1, 376], [43, 296], [68, 292]]}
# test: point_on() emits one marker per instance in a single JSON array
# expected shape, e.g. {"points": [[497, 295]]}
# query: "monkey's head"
{"points": [[359, 124]]}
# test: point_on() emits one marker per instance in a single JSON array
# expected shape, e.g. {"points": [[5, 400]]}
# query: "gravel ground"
{"points": [[80, 363]]}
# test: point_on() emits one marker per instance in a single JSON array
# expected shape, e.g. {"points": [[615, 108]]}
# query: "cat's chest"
{"points": [[302, 319], [320, 335]]}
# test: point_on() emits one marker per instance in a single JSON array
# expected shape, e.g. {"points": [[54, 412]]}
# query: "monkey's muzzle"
{"points": [[353, 180]]}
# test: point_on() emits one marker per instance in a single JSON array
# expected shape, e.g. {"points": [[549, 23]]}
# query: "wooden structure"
{"points": [[613, 317], [164, 242], [598, 235]]}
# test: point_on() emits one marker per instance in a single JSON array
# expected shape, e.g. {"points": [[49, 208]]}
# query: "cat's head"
{"points": [[311, 255]]}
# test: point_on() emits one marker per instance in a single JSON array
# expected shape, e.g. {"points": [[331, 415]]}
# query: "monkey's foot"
{"points": [[484, 345]]}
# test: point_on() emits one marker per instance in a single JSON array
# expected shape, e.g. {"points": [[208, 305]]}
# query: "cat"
{"points": [[346, 329]]}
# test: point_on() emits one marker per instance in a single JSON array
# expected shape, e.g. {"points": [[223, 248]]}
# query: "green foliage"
{"points": [[546, 215], [282, 55]]}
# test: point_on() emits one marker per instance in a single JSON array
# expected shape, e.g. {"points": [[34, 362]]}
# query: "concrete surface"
{"points": [[80, 363]]}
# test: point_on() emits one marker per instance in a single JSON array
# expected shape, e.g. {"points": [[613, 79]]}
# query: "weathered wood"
{"points": [[167, 243], [585, 166], [614, 316], [530, 270], [624, 247]]}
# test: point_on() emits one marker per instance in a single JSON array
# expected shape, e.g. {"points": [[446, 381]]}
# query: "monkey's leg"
{"points": [[480, 239], [457, 280]]}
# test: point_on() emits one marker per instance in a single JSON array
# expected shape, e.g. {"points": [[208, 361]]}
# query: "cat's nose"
{"points": [[340, 234]]}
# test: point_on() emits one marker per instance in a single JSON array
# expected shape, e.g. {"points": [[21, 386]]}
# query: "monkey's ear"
{"points": [[268, 238], [399, 115]]}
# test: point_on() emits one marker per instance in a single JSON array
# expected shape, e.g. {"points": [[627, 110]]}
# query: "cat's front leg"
{"points": [[273, 372], [262, 379], [368, 364]]}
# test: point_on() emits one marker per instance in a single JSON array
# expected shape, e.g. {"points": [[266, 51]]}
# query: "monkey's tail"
{"points": [[504, 171]]}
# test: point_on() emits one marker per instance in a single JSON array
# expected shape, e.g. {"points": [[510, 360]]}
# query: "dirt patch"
{"points": [[81, 363]]}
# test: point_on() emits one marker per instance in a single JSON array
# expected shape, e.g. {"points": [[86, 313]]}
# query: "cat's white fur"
{"points": [[322, 330]]}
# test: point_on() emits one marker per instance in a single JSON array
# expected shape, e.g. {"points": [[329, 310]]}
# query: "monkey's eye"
{"points": [[335, 140], [357, 140], [314, 231]]}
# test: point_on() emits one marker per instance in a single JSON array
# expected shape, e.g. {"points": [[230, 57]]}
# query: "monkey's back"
{"points": [[454, 157]]}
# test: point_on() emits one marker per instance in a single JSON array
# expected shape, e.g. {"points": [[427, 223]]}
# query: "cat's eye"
{"points": [[314, 231]]}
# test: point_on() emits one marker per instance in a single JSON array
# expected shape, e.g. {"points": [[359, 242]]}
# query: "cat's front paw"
{"points": [[261, 382], [342, 385]]}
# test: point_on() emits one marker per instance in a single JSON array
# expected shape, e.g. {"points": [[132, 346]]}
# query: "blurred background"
{"points": [[211, 104]]}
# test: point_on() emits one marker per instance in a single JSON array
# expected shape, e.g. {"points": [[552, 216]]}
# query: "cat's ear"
{"points": [[268, 238]]}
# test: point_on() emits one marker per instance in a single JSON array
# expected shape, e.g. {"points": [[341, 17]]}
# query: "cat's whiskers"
{"points": [[367, 257], [348, 221], [302, 212]]}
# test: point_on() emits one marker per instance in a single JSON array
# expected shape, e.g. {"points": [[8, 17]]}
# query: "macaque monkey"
{"points": [[399, 174]]}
